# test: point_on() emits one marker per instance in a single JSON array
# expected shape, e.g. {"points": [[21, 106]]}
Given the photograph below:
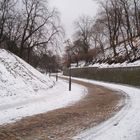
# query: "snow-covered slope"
{"points": [[107, 59], [106, 65], [24, 91], [18, 79]]}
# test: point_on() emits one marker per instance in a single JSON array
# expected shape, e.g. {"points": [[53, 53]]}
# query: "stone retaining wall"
{"points": [[129, 75]]}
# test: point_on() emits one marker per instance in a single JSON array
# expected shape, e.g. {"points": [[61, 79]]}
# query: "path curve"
{"points": [[125, 125], [62, 124]]}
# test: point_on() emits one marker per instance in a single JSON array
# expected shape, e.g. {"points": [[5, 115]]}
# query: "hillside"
{"points": [[25, 92], [17, 78], [124, 53], [107, 59]]}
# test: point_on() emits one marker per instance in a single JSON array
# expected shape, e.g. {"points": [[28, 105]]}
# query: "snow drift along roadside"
{"points": [[24, 91], [125, 125]]}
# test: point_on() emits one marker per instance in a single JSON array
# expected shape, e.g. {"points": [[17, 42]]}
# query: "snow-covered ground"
{"points": [[120, 50], [51, 99], [118, 65], [24, 91], [123, 126], [106, 65]]}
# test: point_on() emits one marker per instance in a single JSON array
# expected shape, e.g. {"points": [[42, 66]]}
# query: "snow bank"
{"points": [[55, 98], [24, 91], [18, 79]]}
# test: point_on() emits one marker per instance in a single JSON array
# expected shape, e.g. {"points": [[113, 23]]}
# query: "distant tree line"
{"points": [[29, 29], [117, 24]]}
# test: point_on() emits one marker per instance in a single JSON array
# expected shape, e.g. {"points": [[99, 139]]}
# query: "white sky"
{"points": [[72, 9]]}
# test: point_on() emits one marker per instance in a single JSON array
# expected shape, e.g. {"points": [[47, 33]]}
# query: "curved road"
{"points": [[99, 105]]}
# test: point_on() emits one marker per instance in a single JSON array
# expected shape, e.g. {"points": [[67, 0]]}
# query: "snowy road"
{"points": [[52, 99], [64, 123], [24, 91], [123, 126]]}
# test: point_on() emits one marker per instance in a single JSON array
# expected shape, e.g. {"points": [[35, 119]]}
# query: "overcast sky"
{"points": [[72, 9]]}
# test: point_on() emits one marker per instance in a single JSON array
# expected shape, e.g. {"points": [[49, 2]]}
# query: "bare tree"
{"points": [[6, 11], [39, 26], [112, 20], [136, 15], [99, 35], [127, 22], [83, 26]]}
